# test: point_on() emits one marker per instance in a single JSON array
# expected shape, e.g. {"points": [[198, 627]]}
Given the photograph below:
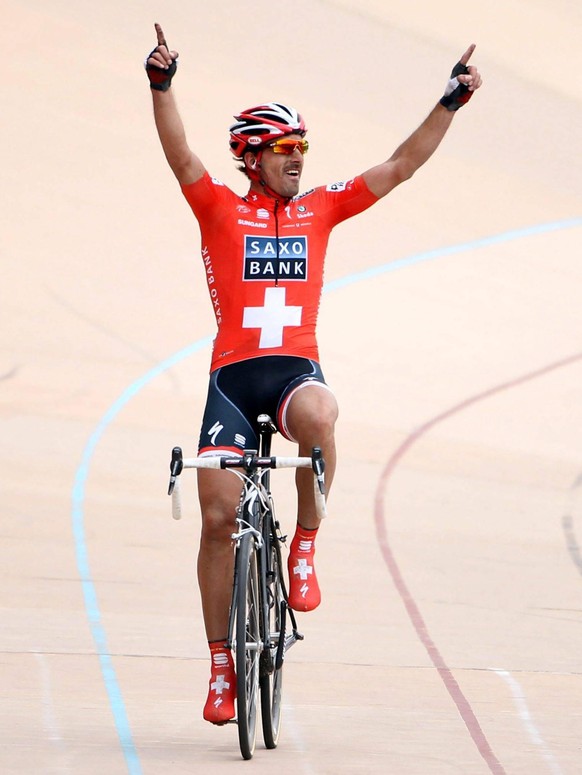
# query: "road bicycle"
{"points": [[262, 627]]}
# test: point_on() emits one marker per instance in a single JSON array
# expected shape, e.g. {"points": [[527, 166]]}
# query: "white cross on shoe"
{"points": [[303, 570], [220, 684]]}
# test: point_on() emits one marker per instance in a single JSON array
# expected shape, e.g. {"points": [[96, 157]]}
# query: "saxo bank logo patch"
{"points": [[262, 261]]}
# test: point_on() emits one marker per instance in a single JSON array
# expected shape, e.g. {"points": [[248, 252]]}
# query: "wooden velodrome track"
{"points": [[450, 635]]}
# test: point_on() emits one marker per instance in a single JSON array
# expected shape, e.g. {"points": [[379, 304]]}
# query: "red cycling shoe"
{"points": [[219, 706], [304, 594]]}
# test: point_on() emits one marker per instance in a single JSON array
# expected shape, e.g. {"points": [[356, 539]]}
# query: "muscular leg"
{"points": [[218, 492], [311, 417]]}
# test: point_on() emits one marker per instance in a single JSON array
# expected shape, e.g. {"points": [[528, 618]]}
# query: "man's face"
{"points": [[282, 172]]}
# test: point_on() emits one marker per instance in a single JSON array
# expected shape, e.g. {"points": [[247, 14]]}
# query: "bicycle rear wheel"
{"points": [[248, 644], [271, 675]]}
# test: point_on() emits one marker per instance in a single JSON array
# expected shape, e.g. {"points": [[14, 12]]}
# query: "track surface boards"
{"points": [[449, 639]]}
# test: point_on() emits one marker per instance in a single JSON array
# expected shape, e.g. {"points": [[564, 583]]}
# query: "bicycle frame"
{"points": [[257, 627], [263, 525]]}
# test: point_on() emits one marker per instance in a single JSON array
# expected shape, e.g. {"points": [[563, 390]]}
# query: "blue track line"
{"points": [[89, 592], [92, 609], [451, 250]]}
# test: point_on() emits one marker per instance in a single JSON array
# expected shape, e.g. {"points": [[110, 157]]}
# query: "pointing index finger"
{"points": [[467, 55], [161, 36]]}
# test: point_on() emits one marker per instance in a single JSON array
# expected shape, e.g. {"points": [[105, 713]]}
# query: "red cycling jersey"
{"points": [[264, 261]]}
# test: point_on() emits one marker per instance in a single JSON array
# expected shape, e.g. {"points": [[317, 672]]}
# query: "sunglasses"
{"points": [[287, 146]]}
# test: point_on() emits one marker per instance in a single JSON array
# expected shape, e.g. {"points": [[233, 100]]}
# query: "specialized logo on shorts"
{"points": [[214, 431], [262, 261]]}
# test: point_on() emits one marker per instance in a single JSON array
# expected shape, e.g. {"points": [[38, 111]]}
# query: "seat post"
{"points": [[266, 430]]}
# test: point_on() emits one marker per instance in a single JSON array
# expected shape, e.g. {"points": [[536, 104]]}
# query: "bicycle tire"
{"points": [[247, 645], [271, 676]]}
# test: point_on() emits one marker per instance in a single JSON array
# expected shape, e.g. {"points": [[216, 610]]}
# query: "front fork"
{"points": [[246, 526]]}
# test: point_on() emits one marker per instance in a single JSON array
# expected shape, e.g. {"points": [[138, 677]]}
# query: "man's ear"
{"points": [[250, 160]]}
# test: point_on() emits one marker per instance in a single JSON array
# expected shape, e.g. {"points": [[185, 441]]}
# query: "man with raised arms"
{"points": [[264, 258]]}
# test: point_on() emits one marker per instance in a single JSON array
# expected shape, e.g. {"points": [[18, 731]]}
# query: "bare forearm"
{"points": [[420, 146], [161, 66], [411, 154], [170, 129], [422, 143]]}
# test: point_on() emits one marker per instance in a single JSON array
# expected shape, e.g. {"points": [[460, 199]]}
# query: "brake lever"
{"points": [[176, 466]]}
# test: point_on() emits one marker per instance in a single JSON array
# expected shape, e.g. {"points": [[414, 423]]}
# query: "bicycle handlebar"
{"points": [[249, 461], [239, 462]]}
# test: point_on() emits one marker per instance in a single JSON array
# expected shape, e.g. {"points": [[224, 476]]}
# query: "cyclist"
{"points": [[264, 254]]}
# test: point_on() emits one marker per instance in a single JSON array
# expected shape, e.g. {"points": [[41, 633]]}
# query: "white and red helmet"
{"points": [[262, 124]]}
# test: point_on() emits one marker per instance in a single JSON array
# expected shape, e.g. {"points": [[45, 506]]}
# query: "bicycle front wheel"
{"points": [[248, 644], [271, 679]]}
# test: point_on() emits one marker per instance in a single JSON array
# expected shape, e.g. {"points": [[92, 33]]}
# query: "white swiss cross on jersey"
{"points": [[272, 318]]}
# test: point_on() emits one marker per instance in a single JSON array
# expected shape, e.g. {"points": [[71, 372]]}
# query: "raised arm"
{"points": [[160, 66], [422, 143]]}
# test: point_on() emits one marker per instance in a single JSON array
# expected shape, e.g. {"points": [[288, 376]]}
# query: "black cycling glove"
{"points": [[456, 94], [160, 79]]}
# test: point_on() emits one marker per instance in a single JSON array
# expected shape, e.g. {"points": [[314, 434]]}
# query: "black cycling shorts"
{"points": [[240, 392]]}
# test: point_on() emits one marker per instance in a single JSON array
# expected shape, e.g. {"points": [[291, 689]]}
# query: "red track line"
{"points": [[465, 710]]}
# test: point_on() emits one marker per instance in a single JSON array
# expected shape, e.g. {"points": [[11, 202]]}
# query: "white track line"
{"points": [[527, 720], [49, 716], [293, 729]]}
